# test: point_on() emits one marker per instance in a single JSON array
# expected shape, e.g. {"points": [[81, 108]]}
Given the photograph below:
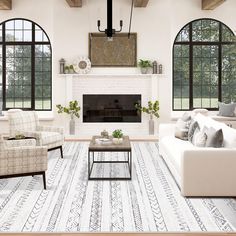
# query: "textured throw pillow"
{"points": [[199, 138], [193, 126], [214, 138], [186, 117], [181, 133], [182, 126], [227, 109]]}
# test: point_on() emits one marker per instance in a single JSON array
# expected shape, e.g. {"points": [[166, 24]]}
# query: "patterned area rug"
{"points": [[151, 202]]}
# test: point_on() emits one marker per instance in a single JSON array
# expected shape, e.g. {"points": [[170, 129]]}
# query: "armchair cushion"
{"points": [[50, 137], [50, 129], [22, 121], [19, 143], [23, 160]]}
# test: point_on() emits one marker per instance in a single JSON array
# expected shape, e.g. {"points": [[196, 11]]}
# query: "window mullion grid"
{"points": [[190, 67], [201, 76], [220, 64], [33, 68], [210, 79], [181, 81], [32, 46], [3, 66]]}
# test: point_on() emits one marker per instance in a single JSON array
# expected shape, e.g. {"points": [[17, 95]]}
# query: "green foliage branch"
{"points": [[152, 108], [73, 109], [144, 63]]}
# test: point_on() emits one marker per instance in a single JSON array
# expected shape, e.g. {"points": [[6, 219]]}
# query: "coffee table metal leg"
{"points": [[127, 160], [130, 166], [88, 164]]}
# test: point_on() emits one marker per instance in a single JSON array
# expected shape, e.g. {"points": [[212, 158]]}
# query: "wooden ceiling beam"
{"points": [[140, 3], [74, 3], [5, 4], [211, 4]]}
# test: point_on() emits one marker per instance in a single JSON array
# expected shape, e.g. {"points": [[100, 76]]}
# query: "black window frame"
{"points": [[191, 44], [33, 45]]}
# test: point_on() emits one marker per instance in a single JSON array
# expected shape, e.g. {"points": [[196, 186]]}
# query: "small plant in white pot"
{"points": [[144, 65], [73, 110], [117, 136]]}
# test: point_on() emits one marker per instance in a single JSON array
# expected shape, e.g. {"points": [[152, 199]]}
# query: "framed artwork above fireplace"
{"points": [[121, 51]]}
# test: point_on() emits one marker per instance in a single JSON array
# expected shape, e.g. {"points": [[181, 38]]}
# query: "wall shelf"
{"points": [[112, 75]]}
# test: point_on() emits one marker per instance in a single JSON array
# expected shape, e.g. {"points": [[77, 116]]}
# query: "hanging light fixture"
{"points": [[109, 31]]}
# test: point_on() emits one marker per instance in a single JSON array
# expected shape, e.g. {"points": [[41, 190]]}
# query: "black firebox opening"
{"points": [[111, 108]]}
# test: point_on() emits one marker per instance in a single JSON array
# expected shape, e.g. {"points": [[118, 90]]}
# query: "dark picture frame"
{"points": [[120, 52]]}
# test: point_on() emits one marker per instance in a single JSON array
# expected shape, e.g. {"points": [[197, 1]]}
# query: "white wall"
{"points": [[156, 25]]}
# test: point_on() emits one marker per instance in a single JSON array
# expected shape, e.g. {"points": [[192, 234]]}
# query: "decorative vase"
{"points": [[72, 125], [104, 134], [144, 70], [117, 140], [151, 125]]}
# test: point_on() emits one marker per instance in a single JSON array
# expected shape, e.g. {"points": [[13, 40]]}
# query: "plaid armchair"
{"points": [[22, 158], [27, 123]]}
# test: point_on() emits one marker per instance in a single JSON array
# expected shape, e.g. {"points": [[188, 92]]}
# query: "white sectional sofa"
{"points": [[201, 171]]}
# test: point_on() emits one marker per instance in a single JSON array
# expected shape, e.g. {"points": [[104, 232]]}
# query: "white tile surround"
{"points": [[146, 85]]}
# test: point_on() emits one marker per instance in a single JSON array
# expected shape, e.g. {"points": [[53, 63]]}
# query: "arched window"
{"points": [[204, 65], [25, 66]]}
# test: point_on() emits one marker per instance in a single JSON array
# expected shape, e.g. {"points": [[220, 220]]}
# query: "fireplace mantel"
{"points": [[147, 85], [87, 76]]}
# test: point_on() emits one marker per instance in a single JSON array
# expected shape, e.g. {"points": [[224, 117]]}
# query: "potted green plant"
{"points": [[19, 136], [67, 69], [152, 110], [117, 136], [73, 110], [71, 69], [144, 65]]}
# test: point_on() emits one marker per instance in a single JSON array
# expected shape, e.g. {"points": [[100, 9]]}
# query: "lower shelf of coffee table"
{"points": [[116, 171]]}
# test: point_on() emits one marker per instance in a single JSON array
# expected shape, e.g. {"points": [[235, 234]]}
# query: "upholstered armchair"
{"points": [[27, 123], [22, 158]]}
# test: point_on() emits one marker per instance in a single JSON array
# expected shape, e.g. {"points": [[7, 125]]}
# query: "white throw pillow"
{"points": [[199, 138], [182, 126], [199, 111]]}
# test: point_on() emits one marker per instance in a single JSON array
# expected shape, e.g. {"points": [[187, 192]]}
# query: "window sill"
{"points": [[175, 115], [43, 116]]}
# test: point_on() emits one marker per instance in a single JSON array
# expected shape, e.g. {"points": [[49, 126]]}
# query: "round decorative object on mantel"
{"points": [[82, 65]]}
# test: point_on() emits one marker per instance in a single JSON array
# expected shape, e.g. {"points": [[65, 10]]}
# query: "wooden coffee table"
{"points": [[95, 147]]}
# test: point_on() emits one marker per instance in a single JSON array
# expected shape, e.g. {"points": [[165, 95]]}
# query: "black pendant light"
{"points": [[109, 31]]}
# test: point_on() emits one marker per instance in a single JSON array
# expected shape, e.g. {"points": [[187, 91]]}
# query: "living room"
{"points": [[117, 116]]}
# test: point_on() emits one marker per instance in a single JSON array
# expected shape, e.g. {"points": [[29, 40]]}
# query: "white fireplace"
{"points": [[145, 85]]}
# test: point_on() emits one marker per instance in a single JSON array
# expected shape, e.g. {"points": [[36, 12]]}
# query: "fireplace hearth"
{"points": [[111, 108]]}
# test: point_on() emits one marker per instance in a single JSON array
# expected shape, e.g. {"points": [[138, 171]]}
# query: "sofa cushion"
{"points": [[199, 110], [227, 109], [214, 138], [50, 137]]}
